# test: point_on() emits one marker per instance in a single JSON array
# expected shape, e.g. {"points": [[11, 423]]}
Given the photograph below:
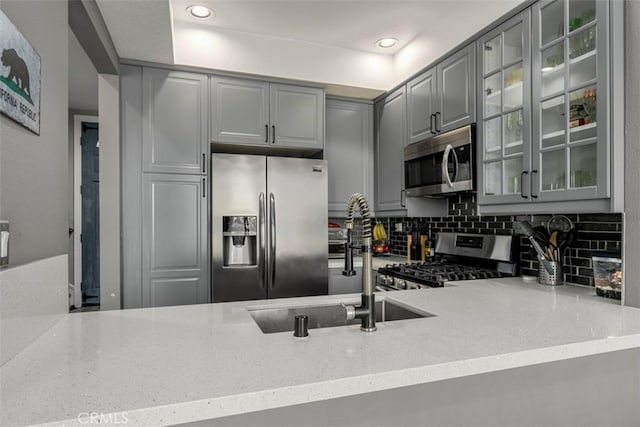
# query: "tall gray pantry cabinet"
{"points": [[165, 190]]}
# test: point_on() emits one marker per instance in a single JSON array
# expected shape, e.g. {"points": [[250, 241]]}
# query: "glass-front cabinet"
{"points": [[504, 124], [570, 155], [544, 127]]}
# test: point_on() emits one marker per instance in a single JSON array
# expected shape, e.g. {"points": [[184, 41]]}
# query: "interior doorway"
{"points": [[86, 287]]}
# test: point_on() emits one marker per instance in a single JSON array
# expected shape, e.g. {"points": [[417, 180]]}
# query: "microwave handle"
{"points": [[445, 162]]}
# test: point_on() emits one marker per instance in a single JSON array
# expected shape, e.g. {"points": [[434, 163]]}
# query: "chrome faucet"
{"points": [[365, 311]]}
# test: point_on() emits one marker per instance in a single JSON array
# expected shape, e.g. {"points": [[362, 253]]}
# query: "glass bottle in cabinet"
{"points": [[504, 122], [570, 143]]}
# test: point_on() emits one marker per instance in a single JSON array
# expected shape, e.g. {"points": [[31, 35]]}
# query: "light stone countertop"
{"points": [[169, 365]]}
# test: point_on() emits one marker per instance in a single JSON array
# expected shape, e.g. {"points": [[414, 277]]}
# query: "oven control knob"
{"points": [[401, 284]]}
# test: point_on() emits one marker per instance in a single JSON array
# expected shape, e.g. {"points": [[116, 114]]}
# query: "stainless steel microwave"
{"points": [[442, 164]]}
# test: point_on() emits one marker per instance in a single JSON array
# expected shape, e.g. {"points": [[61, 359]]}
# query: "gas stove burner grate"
{"points": [[435, 273]]}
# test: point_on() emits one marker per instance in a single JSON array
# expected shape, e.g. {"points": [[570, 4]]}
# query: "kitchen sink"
{"points": [[272, 320]]}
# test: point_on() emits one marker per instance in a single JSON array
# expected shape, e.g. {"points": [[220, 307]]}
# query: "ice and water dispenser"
{"points": [[240, 241]]}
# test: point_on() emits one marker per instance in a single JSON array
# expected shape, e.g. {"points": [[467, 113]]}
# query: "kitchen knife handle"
{"points": [[533, 196], [272, 238], [522, 175], [266, 134], [263, 249]]}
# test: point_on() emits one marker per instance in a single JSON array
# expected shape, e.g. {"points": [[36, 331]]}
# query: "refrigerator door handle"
{"points": [[262, 266], [272, 239]]}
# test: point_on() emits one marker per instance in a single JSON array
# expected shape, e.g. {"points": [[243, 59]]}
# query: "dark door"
{"points": [[90, 237]]}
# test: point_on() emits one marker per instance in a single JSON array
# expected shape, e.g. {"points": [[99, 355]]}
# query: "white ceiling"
{"points": [[331, 41]]}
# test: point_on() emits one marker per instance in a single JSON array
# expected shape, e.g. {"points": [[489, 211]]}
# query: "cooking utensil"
{"points": [[553, 244], [559, 223], [566, 240], [528, 231], [541, 234]]}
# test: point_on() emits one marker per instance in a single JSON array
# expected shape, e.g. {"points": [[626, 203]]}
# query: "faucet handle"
{"points": [[350, 311]]}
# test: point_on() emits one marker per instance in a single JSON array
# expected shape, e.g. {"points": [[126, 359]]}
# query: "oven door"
{"points": [[440, 165]]}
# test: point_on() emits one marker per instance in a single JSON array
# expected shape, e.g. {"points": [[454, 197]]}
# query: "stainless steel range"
{"points": [[459, 257]]}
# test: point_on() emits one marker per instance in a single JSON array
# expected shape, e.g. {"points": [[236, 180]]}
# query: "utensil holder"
{"points": [[551, 279]]}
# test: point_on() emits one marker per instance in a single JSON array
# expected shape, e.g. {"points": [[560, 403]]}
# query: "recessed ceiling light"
{"points": [[200, 11], [386, 42]]}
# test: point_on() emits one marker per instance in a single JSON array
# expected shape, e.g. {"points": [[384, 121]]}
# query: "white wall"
{"points": [[293, 59]]}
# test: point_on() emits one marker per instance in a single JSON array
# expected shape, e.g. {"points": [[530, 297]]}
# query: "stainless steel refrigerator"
{"points": [[269, 227]]}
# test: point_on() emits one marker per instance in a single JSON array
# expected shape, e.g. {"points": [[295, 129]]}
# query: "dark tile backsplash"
{"points": [[596, 233]]}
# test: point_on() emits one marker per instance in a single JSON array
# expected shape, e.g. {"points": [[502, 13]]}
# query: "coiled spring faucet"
{"points": [[365, 311]]}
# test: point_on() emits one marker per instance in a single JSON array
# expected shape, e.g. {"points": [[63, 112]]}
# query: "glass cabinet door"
{"points": [[504, 124], [569, 154]]}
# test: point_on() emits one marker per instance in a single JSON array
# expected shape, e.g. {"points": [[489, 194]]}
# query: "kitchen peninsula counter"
{"points": [[161, 366]]}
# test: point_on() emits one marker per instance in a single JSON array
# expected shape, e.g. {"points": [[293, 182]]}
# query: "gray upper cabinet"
{"points": [[456, 90], [504, 122], [389, 142], [175, 114], [349, 152], [239, 111], [550, 149], [297, 116], [174, 240], [443, 97], [259, 113], [421, 106]]}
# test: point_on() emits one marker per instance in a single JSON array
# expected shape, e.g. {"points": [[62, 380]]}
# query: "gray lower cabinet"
{"points": [[259, 113], [348, 152], [391, 113], [339, 284], [174, 240], [175, 116]]}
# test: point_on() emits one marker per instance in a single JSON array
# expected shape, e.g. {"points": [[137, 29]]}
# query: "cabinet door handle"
{"points": [[204, 187], [432, 124], [533, 196], [266, 134], [403, 198], [438, 127], [204, 162], [522, 175], [273, 132]]}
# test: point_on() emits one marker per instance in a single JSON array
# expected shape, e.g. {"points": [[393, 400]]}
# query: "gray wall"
{"points": [[632, 154], [109, 134], [33, 169]]}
